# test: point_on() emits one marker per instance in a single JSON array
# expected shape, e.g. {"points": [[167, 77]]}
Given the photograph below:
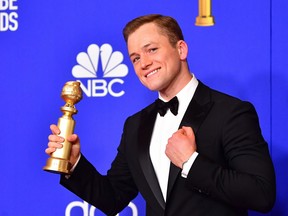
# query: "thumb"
{"points": [[188, 131], [73, 138]]}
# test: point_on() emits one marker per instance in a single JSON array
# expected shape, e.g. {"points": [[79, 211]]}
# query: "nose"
{"points": [[145, 61]]}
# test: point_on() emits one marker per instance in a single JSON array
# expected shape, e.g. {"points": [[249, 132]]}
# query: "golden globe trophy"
{"points": [[59, 160]]}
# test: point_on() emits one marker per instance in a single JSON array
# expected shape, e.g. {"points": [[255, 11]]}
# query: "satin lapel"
{"points": [[194, 116], [145, 133]]}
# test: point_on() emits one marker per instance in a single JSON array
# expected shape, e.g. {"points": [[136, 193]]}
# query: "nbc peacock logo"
{"points": [[99, 70]]}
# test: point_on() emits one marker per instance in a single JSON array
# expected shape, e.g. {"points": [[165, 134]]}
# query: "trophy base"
{"points": [[204, 21], [57, 165]]}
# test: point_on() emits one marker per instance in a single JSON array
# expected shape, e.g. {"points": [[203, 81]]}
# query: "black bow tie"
{"points": [[164, 106]]}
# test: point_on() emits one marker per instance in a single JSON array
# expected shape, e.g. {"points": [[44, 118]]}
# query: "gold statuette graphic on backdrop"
{"points": [[205, 17], [59, 160]]}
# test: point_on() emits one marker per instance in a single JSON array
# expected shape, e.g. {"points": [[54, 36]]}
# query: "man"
{"points": [[207, 157]]}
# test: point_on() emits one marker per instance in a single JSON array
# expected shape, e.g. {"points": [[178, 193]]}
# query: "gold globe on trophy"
{"points": [[59, 160]]}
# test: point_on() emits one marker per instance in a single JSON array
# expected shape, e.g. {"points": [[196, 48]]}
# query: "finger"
{"points": [[180, 131], [73, 138], [55, 138], [54, 129], [54, 145], [50, 150], [188, 131]]}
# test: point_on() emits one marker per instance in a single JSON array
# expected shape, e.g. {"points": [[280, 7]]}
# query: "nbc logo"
{"points": [[102, 59]]}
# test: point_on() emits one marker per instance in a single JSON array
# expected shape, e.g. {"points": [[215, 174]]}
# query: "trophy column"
{"points": [[59, 160]]}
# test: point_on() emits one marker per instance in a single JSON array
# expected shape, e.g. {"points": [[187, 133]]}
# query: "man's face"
{"points": [[156, 62]]}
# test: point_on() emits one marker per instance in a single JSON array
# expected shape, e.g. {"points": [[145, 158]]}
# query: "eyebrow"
{"points": [[132, 54], [144, 47]]}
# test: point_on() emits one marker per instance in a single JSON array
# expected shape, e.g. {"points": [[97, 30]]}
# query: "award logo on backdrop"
{"points": [[100, 71], [8, 15]]}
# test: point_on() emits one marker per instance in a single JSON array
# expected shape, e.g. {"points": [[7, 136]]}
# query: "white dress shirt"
{"points": [[163, 129]]}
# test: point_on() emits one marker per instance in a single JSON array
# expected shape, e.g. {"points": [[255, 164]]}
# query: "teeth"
{"points": [[153, 72]]}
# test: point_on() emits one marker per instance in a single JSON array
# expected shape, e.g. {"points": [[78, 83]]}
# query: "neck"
{"points": [[175, 87]]}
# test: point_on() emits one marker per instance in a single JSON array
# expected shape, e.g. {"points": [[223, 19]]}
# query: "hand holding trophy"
{"points": [[59, 160]]}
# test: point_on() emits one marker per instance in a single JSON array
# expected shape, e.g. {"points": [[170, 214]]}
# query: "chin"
{"points": [[151, 88]]}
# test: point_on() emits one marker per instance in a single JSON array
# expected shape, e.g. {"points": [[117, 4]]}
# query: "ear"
{"points": [[182, 49]]}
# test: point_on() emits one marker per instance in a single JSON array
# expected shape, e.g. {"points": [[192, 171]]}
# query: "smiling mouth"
{"points": [[152, 72]]}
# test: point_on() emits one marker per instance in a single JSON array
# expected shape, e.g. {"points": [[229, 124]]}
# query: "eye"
{"points": [[152, 50], [136, 59]]}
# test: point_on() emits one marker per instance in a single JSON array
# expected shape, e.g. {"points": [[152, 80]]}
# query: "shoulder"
{"points": [[222, 102], [142, 115], [221, 97]]}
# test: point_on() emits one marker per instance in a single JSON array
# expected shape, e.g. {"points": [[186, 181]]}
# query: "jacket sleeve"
{"points": [[246, 179], [110, 193]]}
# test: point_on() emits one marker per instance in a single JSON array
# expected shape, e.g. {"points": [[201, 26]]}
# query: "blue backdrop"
{"points": [[42, 44]]}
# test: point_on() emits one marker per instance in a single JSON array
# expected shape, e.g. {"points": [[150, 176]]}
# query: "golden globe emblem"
{"points": [[59, 160]]}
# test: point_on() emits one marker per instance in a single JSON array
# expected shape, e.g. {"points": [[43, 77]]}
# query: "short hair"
{"points": [[167, 25]]}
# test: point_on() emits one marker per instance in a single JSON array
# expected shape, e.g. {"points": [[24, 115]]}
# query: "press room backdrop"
{"points": [[42, 44]]}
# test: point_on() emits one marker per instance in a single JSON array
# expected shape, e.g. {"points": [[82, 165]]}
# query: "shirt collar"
{"points": [[186, 94]]}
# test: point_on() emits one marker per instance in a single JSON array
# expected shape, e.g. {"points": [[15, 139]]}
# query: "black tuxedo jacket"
{"points": [[232, 173]]}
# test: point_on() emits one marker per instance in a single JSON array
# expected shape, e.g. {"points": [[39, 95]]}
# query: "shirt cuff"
{"points": [[73, 167], [188, 164]]}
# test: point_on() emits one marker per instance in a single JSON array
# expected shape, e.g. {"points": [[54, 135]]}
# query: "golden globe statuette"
{"points": [[59, 160]]}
